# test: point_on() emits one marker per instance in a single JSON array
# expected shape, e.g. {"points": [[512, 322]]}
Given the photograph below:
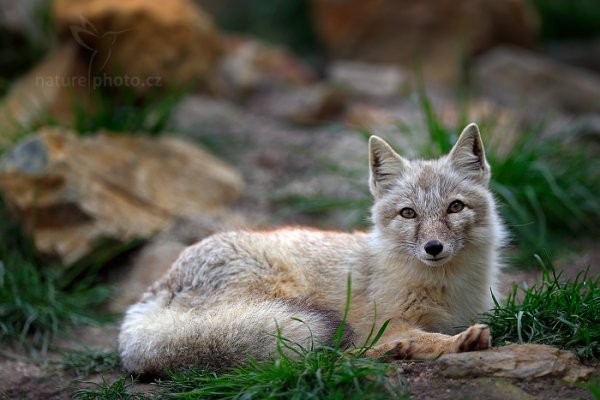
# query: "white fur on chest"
{"points": [[441, 299]]}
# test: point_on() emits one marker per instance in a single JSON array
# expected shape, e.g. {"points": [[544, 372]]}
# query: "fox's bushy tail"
{"points": [[157, 336]]}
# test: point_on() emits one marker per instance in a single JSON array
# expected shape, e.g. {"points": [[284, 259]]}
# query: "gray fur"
{"points": [[225, 297]]}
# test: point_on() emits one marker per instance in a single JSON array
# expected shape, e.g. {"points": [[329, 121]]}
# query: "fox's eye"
{"points": [[455, 206], [408, 213]]}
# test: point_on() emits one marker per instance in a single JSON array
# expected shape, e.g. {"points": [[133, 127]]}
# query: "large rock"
{"points": [[249, 65], [435, 32], [525, 80], [142, 43], [308, 105], [369, 80], [523, 361], [71, 191]]}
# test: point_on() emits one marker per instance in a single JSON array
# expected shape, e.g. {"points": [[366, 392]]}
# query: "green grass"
{"points": [[593, 387], [87, 362], [37, 302], [121, 389], [549, 192], [322, 374], [35, 305], [119, 112], [126, 112], [561, 313]]}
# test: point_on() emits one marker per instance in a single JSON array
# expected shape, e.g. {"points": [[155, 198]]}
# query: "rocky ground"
{"points": [[279, 159]]}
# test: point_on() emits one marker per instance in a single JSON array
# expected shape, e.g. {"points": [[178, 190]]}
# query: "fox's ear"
{"points": [[386, 165], [468, 154]]}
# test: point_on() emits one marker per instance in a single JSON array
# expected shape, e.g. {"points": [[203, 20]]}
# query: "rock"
{"points": [[525, 80], [302, 105], [436, 33], [156, 257], [249, 65], [70, 192], [368, 80], [523, 361], [47, 91], [369, 117], [142, 44]]}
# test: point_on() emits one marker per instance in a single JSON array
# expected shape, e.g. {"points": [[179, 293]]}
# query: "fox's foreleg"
{"points": [[415, 343]]}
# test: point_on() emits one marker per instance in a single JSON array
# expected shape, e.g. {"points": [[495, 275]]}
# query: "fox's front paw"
{"points": [[476, 337]]}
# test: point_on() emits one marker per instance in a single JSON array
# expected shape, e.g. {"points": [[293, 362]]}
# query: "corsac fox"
{"points": [[427, 265]]}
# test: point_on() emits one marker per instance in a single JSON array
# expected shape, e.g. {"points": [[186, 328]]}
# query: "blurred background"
{"points": [[132, 128]]}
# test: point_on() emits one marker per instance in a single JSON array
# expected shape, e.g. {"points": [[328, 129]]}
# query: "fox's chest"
{"points": [[426, 307]]}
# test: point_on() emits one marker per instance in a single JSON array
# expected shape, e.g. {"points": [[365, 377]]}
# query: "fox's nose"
{"points": [[434, 247]]}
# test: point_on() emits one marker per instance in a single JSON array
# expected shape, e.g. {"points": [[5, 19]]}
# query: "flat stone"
{"points": [[370, 80], [311, 104], [523, 361], [249, 65], [71, 191]]}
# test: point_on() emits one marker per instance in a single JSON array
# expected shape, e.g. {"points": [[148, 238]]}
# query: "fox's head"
{"points": [[431, 210]]}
